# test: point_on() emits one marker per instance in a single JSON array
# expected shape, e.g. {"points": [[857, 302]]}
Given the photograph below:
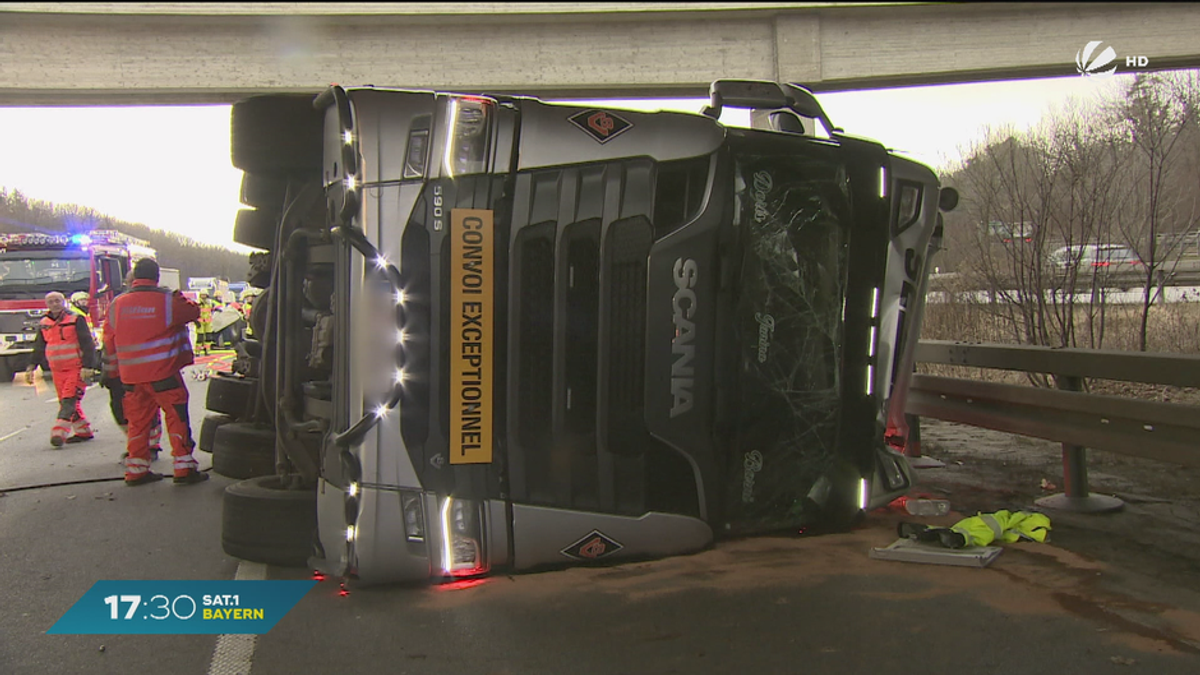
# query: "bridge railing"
{"points": [[1168, 432]]}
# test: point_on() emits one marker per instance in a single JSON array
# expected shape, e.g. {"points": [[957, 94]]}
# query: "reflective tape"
{"points": [[185, 462], [991, 522], [162, 342], [176, 351]]}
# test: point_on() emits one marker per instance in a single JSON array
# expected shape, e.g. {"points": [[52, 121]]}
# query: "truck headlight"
{"points": [[463, 552], [467, 135], [414, 516]]}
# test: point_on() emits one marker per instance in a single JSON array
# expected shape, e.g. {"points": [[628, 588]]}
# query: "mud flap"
{"points": [[893, 477]]}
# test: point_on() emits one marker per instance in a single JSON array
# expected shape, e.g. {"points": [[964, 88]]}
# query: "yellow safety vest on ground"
{"points": [[1008, 527]]}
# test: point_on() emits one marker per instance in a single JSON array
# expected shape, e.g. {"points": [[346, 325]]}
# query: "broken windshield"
{"points": [[792, 214]]}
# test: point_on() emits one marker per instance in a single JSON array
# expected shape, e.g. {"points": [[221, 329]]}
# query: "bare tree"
{"points": [[1028, 198], [1158, 111]]}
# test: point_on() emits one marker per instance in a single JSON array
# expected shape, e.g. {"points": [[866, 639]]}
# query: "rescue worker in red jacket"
{"points": [[64, 342], [146, 328], [111, 380]]}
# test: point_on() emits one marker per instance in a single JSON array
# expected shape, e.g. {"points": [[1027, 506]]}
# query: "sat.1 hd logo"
{"points": [[1090, 64]]}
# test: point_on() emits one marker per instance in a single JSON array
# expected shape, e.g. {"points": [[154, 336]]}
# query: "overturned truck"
{"points": [[503, 333]]}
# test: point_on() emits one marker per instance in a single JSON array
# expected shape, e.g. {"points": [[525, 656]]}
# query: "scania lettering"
{"points": [[683, 305], [500, 333]]}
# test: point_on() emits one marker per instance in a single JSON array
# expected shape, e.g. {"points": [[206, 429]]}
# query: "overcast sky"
{"points": [[168, 167]]}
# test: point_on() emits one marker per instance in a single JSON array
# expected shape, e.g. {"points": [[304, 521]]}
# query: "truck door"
{"points": [[110, 278]]}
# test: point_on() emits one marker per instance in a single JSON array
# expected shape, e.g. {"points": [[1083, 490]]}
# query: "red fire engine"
{"points": [[32, 265]]}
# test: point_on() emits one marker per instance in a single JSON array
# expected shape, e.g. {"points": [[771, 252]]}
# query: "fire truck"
{"points": [[34, 264]]}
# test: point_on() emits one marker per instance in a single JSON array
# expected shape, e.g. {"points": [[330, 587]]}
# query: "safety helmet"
{"points": [[79, 298]]}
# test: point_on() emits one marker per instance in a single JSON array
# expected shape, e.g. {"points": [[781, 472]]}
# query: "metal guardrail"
{"points": [[1168, 432]]}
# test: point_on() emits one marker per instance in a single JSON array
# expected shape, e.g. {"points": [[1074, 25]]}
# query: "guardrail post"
{"points": [[1075, 478], [912, 446]]}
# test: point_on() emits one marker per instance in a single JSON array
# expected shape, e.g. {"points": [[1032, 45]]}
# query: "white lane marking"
{"points": [[234, 654], [11, 435]]}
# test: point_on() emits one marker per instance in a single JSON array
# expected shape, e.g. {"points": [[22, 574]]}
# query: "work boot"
{"points": [[150, 477], [56, 441], [79, 439], [192, 476]]}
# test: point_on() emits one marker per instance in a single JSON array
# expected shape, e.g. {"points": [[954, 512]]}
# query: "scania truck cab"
{"points": [[504, 333]]}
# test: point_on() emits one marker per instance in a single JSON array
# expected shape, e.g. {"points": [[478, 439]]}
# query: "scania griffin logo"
{"points": [[593, 546], [683, 347], [600, 125]]}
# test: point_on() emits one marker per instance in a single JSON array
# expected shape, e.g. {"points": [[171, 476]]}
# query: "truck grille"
{"points": [[577, 433], [14, 322], [535, 298]]}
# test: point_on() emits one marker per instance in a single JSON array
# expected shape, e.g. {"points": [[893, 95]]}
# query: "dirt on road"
{"points": [[1151, 546]]}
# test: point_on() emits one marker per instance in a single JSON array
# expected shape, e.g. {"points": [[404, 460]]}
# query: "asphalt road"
{"points": [[772, 605]]}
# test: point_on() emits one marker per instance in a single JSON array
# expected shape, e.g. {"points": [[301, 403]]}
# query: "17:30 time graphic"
{"points": [[144, 607], [159, 603]]}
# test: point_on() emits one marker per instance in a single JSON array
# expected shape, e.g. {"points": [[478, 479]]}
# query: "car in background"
{"points": [[1110, 257]]}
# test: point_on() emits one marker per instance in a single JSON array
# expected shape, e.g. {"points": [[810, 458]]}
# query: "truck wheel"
{"points": [[262, 522], [231, 395], [242, 450], [6, 373], [259, 274], [277, 133], [264, 191], [256, 228], [208, 430]]}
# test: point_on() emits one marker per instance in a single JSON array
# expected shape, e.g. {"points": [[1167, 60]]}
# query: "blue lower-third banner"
{"points": [[181, 607]]}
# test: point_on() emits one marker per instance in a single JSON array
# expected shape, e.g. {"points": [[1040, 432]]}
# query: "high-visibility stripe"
{"points": [[185, 462], [125, 349], [154, 357], [135, 462], [135, 470], [991, 522]]}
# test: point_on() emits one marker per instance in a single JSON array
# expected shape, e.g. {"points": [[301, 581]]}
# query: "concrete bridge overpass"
{"points": [[115, 53]]}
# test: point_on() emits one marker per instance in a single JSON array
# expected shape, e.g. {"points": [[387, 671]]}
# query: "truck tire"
{"points": [[242, 450], [259, 274], [262, 522], [256, 228], [6, 372], [277, 133], [208, 430], [264, 191], [231, 395]]}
